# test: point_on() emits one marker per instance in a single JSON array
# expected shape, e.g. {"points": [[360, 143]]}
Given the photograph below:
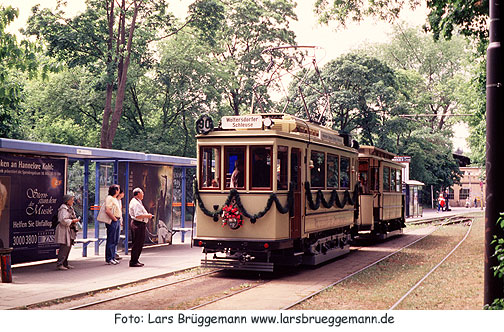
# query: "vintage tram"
{"points": [[273, 189]]}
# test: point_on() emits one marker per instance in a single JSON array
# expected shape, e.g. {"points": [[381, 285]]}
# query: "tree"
{"points": [[15, 58], [362, 95], [252, 26], [107, 38], [440, 68]]}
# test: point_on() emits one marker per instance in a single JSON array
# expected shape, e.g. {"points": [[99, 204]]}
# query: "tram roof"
{"points": [[96, 154]]}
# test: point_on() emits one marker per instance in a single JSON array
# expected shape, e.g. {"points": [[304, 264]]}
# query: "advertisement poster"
{"points": [[31, 190], [156, 181]]}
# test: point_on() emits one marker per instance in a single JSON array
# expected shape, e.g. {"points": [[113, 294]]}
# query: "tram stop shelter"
{"points": [[34, 177]]}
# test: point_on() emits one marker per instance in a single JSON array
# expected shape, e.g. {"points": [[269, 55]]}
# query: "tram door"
{"points": [[295, 180]]}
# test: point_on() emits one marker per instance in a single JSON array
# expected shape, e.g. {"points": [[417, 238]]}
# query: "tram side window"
{"points": [[210, 166], [332, 171], [282, 166], [386, 178], [317, 173], [261, 166], [375, 178], [234, 163], [345, 173], [392, 179], [399, 181]]}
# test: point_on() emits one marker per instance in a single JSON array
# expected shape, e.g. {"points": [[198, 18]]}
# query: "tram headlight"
{"points": [[268, 123]]}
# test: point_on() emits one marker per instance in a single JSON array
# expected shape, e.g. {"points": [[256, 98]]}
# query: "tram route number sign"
{"points": [[242, 122], [204, 124]]}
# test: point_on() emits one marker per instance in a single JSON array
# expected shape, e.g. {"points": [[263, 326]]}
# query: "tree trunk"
{"points": [[116, 116]]}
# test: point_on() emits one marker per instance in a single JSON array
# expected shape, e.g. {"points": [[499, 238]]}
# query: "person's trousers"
{"points": [[63, 253], [113, 230], [138, 239]]}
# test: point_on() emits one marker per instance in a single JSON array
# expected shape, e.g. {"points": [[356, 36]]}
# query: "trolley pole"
{"points": [[494, 287]]}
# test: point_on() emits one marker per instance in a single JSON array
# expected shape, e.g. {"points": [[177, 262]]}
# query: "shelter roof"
{"points": [[95, 154]]}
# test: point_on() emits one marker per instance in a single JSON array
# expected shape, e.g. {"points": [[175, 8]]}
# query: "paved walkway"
{"points": [[42, 282], [36, 283]]}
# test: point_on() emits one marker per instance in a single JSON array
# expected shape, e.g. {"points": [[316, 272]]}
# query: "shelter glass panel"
{"points": [[332, 171], [317, 173]]}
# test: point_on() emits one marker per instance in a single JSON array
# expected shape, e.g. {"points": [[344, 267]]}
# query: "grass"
{"points": [[456, 285]]}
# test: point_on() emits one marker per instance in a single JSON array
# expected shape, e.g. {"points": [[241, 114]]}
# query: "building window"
{"points": [[210, 167], [317, 173], [261, 167], [332, 171], [451, 193], [463, 194]]}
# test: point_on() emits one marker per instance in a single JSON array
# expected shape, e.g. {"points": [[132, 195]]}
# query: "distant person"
{"points": [[475, 202], [121, 224], [113, 211], [66, 231], [441, 202], [139, 219], [446, 197]]}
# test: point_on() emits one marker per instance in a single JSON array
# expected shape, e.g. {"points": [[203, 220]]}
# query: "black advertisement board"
{"points": [[31, 190]]}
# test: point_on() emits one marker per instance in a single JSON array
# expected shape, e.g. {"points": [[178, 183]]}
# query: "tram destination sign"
{"points": [[242, 122]]}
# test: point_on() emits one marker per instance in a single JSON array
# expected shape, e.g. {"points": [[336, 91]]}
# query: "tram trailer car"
{"points": [[273, 190], [381, 201]]}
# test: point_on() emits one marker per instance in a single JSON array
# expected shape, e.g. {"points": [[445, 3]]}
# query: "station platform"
{"points": [[38, 282]]}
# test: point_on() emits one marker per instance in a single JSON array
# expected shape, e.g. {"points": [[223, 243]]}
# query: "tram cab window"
{"points": [[210, 167], [386, 178], [332, 171], [364, 176], [261, 167], [281, 171], [392, 179], [317, 173], [345, 173], [399, 181], [234, 167]]}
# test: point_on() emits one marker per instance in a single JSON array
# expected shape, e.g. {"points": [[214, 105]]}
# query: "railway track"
{"points": [[437, 222], [241, 291]]}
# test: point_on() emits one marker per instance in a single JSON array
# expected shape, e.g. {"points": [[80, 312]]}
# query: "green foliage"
{"points": [[498, 304], [251, 26]]}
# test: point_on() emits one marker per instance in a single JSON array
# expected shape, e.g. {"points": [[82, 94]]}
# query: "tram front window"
{"points": [[235, 171], [261, 167], [210, 166]]}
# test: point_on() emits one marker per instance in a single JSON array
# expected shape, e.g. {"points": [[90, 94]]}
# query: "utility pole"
{"points": [[494, 287]]}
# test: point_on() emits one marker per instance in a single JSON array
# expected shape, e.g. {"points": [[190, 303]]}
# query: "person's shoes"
{"points": [[61, 267], [112, 262], [138, 264], [70, 266], [118, 258]]}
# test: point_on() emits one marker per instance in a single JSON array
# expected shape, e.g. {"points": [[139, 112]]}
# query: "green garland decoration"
{"points": [[233, 194], [334, 199]]}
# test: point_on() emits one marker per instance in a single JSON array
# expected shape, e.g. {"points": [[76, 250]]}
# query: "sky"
{"points": [[310, 33]]}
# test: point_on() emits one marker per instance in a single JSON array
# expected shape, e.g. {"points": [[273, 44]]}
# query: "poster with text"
{"points": [[31, 190]]}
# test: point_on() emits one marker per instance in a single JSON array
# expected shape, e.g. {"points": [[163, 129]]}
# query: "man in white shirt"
{"points": [[139, 218]]}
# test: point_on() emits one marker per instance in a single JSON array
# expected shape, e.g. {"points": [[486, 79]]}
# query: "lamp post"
{"points": [[494, 287]]}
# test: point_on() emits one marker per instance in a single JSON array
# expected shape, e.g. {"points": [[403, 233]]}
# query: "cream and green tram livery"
{"points": [[272, 190], [381, 199]]}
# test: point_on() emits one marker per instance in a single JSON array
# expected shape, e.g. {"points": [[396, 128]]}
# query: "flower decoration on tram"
{"points": [[231, 216]]}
